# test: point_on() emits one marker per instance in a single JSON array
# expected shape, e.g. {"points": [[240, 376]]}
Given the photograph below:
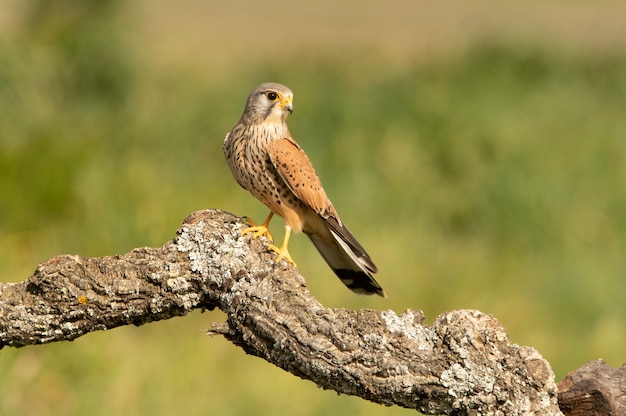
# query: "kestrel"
{"points": [[266, 161]]}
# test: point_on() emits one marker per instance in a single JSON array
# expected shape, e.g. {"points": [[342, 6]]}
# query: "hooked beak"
{"points": [[287, 104]]}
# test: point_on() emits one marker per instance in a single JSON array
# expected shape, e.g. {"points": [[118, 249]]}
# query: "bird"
{"points": [[266, 161]]}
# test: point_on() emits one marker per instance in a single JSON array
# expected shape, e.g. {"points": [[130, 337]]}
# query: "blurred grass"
{"points": [[494, 181]]}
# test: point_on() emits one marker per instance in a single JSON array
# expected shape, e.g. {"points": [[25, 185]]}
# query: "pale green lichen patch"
{"points": [[408, 325], [210, 247]]}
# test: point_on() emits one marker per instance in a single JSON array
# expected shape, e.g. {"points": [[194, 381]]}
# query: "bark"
{"points": [[464, 364], [595, 389]]}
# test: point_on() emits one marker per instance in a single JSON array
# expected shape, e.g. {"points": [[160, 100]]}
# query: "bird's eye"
{"points": [[272, 96]]}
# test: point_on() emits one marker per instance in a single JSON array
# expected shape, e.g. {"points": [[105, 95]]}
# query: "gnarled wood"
{"points": [[464, 364], [595, 389]]}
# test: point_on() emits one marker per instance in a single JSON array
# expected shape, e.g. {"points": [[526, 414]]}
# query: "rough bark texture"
{"points": [[463, 364], [595, 389]]}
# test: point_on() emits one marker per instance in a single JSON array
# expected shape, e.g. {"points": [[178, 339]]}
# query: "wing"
{"points": [[295, 168]]}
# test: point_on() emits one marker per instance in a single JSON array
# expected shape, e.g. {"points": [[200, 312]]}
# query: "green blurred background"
{"points": [[477, 150]]}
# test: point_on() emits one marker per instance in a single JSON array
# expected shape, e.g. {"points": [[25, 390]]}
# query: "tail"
{"points": [[348, 259]]}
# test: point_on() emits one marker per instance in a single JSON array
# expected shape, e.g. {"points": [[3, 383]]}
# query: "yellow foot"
{"points": [[259, 230], [283, 253]]}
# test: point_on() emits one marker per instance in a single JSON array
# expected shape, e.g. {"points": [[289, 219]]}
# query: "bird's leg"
{"points": [[283, 253], [259, 230]]}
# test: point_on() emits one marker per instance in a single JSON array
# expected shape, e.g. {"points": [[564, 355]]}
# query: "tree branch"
{"points": [[463, 364], [595, 389]]}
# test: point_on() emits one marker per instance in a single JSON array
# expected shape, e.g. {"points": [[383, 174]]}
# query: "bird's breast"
{"points": [[246, 151]]}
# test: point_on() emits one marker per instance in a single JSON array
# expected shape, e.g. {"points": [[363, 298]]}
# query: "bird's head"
{"points": [[269, 102]]}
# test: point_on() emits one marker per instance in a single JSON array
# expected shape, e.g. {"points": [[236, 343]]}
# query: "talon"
{"points": [[259, 230], [283, 253]]}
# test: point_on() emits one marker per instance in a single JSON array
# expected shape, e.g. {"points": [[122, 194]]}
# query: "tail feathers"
{"points": [[349, 262]]}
